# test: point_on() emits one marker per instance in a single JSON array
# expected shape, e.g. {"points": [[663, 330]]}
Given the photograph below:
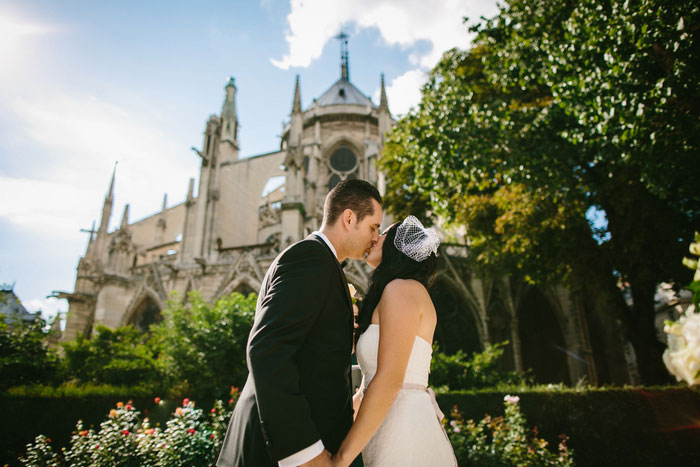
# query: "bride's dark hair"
{"points": [[394, 265]]}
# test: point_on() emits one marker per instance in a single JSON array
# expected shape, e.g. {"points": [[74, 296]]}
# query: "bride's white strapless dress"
{"points": [[411, 434]]}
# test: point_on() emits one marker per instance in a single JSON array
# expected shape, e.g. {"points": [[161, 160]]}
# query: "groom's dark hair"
{"points": [[353, 194]]}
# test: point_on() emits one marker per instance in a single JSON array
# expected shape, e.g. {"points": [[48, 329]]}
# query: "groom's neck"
{"points": [[336, 238]]}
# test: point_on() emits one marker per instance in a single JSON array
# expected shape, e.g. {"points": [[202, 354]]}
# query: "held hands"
{"points": [[337, 462], [322, 460]]}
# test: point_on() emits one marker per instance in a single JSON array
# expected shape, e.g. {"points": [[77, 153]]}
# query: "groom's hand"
{"points": [[322, 460]]}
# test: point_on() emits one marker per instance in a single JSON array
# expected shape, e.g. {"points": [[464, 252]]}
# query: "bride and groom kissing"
{"points": [[297, 406]]}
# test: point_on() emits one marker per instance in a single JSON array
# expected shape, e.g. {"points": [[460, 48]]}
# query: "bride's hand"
{"points": [[337, 462]]}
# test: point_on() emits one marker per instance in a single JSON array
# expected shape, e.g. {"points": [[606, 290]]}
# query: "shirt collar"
{"points": [[328, 242]]}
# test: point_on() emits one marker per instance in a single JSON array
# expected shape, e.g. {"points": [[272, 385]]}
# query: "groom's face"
{"points": [[364, 233]]}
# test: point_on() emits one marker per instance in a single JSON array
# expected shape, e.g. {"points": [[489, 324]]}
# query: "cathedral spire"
{"points": [[107, 206], [125, 218], [344, 56], [383, 102], [229, 119], [296, 107]]}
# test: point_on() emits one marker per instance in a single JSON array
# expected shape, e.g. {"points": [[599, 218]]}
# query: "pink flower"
{"points": [[456, 429], [157, 400], [213, 410], [230, 402], [178, 411], [511, 399], [185, 401], [129, 407], [150, 431]]}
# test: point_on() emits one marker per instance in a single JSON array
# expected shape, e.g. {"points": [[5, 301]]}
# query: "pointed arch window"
{"points": [[342, 164]]}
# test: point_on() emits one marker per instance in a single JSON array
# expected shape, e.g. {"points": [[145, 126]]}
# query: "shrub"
{"points": [[124, 439], [503, 441], [480, 370], [204, 345], [121, 356], [24, 354]]}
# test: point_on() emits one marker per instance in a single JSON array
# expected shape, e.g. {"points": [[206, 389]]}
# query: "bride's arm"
{"points": [[399, 317]]}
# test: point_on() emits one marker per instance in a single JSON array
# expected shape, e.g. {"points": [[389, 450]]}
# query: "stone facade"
{"points": [[224, 237]]}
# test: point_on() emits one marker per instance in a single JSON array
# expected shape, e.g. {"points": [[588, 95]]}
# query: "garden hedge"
{"points": [[617, 426]]}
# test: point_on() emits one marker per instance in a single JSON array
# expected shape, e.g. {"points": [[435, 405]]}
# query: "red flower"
{"points": [[211, 436], [185, 401], [125, 432], [234, 390], [157, 400], [162, 445], [230, 402], [83, 433], [213, 410], [191, 430], [129, 407], [48, 440]]}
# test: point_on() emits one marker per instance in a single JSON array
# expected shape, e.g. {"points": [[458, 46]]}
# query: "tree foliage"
{"points": [[560, 110], [122, 357], [204, 345], [24, 354]]}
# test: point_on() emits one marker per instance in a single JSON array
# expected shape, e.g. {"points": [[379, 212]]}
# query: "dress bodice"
{"points": [[418, 367]]}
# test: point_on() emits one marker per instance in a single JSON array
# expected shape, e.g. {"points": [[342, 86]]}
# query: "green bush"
{"points": [[121, 357], [203, 345], [480, 370], [503, 441], [125, 439], [24, 354]]}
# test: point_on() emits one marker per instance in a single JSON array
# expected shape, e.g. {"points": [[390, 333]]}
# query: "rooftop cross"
{"points": [[344, 68]]}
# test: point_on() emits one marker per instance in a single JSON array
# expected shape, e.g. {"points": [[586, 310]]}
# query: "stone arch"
{"points": [[457, 323], [242, 284], [542, 337], [144, 309], [500, 323]]}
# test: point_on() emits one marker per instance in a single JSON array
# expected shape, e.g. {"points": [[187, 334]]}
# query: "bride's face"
{"points": [[374, 257]]}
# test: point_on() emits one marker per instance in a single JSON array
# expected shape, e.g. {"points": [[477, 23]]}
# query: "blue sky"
{"points": [[86, 83]]}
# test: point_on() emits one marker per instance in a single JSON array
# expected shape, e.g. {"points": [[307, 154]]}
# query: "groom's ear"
{"points": [[347, 217]]}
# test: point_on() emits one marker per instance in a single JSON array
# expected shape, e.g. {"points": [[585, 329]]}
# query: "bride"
{"points": [[398, 421]]}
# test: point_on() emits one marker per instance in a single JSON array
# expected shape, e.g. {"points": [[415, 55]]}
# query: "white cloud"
{"points": [[406, 23], [49, 307], [400, 22], [16, 43], [79, 139], [404, 91]]}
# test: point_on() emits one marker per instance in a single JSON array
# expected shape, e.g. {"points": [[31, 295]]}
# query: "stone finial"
{"points": [[296, 107], [383, 102], [125, 217]]}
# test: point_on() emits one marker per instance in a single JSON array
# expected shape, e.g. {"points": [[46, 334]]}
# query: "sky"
{"points": [[86, 84]]}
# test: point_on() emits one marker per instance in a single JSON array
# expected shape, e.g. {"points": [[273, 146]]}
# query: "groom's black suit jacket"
{"points": [[298, 389]]}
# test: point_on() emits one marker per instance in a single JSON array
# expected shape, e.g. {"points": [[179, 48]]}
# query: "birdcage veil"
{"points": [[415, 241]]}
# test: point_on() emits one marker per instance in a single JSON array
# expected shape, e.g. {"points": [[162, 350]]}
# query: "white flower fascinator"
{"points": [[415, 241]]}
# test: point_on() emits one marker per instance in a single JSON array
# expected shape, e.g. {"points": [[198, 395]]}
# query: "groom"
{"points": [[296, 406]]}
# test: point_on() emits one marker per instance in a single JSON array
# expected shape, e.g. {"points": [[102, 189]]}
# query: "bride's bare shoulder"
{"points": [[404, 290]]}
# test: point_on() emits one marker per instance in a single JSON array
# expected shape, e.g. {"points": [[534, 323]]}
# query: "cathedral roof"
{"points": [[343, 92]]}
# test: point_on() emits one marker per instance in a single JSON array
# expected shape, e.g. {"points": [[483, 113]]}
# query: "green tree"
{"points": [[204, 345], [24, 354], [122, 356], [559, 110]]}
